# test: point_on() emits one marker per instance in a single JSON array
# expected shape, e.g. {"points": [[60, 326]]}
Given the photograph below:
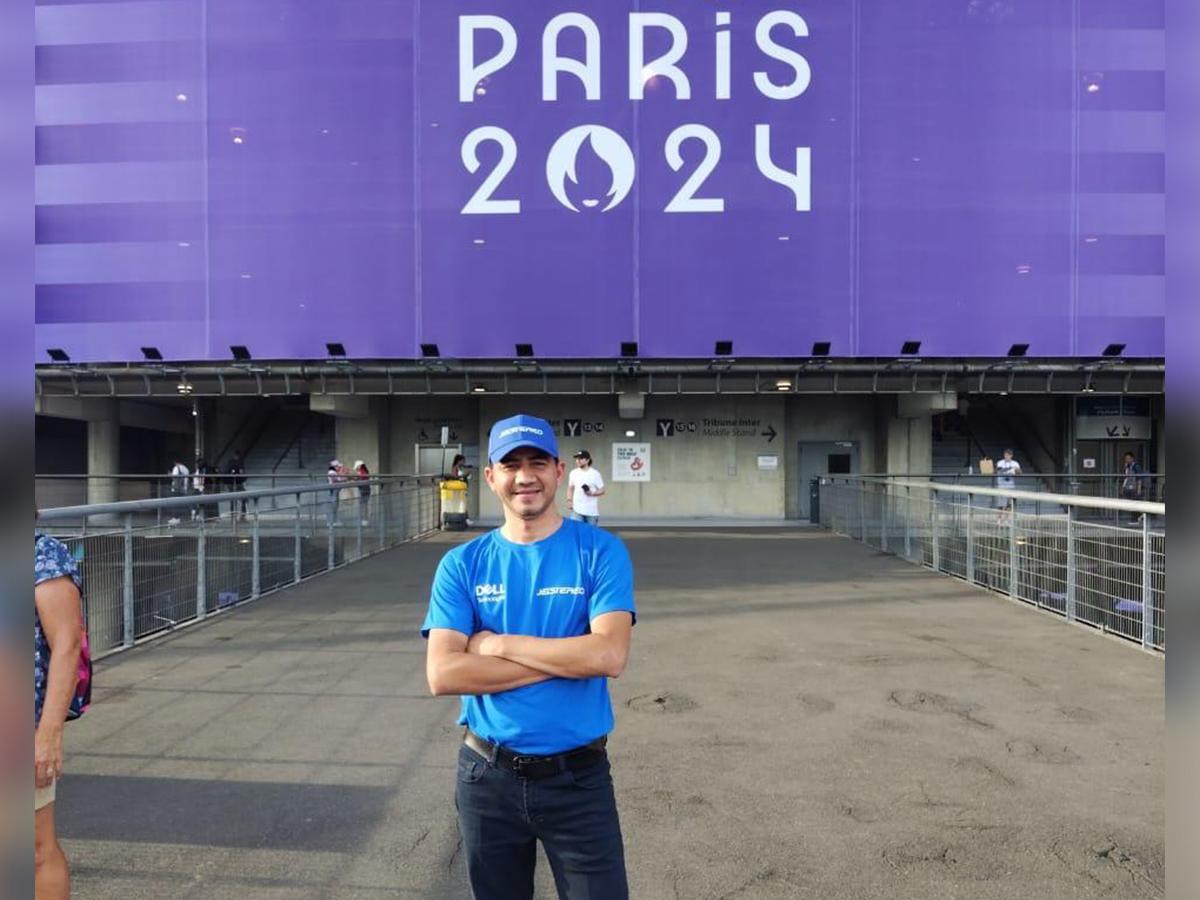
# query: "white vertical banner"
{"points": [[631, 462]]}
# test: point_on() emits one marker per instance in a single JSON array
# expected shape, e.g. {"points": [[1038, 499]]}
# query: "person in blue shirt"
{"points": [[527, 623]]}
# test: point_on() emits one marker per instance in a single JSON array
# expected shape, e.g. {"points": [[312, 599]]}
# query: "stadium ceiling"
{"points": [[722, 375]]}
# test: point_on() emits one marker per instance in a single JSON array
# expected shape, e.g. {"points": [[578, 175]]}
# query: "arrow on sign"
{"points": [[1111, 430], [1126, 430], [769, 434]]}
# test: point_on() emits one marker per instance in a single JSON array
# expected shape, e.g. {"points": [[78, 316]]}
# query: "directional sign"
{"points": [[770, 433]]}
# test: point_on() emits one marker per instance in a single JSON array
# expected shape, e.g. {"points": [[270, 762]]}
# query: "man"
{"points": [[1007, 470], [527, 623], [584, 488], [179, 484], [237, 482], [334, 476], [1133, 486]]}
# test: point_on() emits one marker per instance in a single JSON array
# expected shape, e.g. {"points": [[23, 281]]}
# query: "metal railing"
{"points": [[79, 490], [1151, 486], [150, 566], [1092, 560]]}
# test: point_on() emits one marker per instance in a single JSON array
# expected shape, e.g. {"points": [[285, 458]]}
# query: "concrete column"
{"points": [[910, 445], [104, 450], [363, 430]]}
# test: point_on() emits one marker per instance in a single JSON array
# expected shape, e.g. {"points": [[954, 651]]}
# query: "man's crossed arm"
{"points": [[489, 663]]}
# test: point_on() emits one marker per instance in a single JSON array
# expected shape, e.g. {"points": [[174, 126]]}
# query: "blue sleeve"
{"points": [[612, 579], [450, 604], [52, 559]]}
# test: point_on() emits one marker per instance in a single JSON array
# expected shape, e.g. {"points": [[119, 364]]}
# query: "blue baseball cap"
{"points": [[521, 431]]}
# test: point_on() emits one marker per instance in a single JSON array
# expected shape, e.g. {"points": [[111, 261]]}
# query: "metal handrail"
{"points": [[1139, 506], [59, 513]]}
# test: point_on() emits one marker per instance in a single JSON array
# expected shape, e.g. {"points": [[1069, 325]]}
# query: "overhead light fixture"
{"points": [[820, 348], [783, 385], [723, 348], [479, 389], [910, 348], [58, 354], [152, 354], [525, 350], [1018, 349], [183, 387], [629, 432], [336, 349], [430, 351], [629, 349], [1113, 350], [240, 352]]}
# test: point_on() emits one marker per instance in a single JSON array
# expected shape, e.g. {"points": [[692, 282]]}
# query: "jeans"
{"points": [[501, 816], [591, 520]]}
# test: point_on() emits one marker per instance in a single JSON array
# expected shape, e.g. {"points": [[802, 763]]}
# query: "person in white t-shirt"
{"points": [[584, 487], [1007, 470]]}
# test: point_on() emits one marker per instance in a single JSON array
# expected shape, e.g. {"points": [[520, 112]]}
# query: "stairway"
{"points": [[295, 448]]}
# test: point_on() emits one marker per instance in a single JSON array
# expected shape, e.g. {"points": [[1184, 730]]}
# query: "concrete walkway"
{"points": [[801, 717]]}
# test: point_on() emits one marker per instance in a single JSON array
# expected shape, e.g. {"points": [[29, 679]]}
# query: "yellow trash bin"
{"points": [[454, 504]]}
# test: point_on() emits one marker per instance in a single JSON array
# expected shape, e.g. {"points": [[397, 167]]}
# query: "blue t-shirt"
{"points": [[553, 589]]}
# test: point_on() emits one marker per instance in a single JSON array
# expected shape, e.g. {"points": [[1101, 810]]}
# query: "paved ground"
{"points": [[801, 717]]}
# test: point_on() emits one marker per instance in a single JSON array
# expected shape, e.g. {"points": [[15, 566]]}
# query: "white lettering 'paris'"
{"points": [[668, 65]]}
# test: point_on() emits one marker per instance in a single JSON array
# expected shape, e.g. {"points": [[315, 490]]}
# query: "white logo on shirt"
{"points": [[490, 593], [560, 591]]}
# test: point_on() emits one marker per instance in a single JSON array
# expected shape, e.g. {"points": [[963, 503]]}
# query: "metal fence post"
{"points": [[201, 573], [127, 590], [1070, 604], [883, 514], [862, 511], [1147, 592], [1012, 553], [330, 556], [933, 531], [381, 513], [256, 557], [970, 538], [358, 520], [297, 570], [907, 522]]}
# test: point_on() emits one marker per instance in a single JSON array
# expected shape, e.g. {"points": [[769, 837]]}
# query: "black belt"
{"points": [[537, 766]]}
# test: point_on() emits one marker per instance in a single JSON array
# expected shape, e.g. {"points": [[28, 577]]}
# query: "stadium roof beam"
{"points": [[576, 377]]}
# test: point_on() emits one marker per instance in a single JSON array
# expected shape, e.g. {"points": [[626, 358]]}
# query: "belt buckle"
{"points": [[520, 762]]}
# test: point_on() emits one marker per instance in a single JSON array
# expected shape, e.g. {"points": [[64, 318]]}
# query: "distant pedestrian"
{"points": [[201, 484], [363, 474], [1007, 470], [1133, 482], [459, 469], [180, 478], [585, 487], [236, 469], [335, 476]]}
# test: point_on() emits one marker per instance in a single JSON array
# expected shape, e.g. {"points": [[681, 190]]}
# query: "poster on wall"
{"points": [[631, 462]]}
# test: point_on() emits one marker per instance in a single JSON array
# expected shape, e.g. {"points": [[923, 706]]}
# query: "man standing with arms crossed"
{"points": [[527, 623]]}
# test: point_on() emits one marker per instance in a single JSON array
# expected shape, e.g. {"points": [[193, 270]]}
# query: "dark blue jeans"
{"points": [[502, 816]]}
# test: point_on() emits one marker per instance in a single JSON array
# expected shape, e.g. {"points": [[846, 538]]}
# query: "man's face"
{"points": [[582, 462], [525, 481], [1008, 454]]}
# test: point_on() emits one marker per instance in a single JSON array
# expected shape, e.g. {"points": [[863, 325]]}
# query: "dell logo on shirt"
{"points": [[489, 593]]}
